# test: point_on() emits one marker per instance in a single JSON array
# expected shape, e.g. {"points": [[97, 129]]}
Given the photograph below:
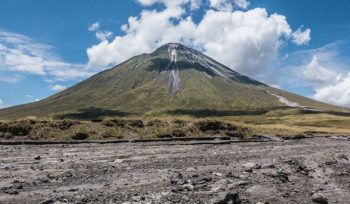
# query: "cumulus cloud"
{"points": [[100, 35], [103, 35], [57, 87], [226, 5], [338, 93], [326, 73], [21, 54], [141, 37], [94, 26], [149, 2], [318, 75], [301, 37], [195, 4], [1, 103], [222, 5], [29, 96], [246, 41], [242, 3]]}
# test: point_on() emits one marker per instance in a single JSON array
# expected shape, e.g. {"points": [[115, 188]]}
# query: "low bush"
{"points": [[80, 134], [136, 123], [178, 133], [20, 128], [64, 124]]}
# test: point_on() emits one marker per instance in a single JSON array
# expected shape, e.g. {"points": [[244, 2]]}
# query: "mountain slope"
{"points": [[172, 80]]}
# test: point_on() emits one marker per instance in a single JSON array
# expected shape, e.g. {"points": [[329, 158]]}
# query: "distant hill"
{"points": [[173, 80]]}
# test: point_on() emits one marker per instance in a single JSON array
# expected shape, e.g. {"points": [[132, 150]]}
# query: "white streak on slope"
{"points": [[173, 56], [286, 102], [289, 103], [193, 58], [174, 77]]}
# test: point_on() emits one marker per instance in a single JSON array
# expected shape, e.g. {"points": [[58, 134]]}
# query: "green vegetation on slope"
{"points": [[284, 121], [139, 87]]}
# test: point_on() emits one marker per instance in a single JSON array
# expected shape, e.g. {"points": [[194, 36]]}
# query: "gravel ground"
{"points": [[287, 171]]}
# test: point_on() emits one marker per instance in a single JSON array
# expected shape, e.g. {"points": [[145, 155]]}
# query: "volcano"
{"points": [[173, 80]]}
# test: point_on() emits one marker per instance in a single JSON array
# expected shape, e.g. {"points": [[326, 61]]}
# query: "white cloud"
{"points": [[221, 5], [94, 26], [195, 4], [244, 40], [226, 5], [242, 3], [141, 37], [29, 96], [338, 93], [1, 103], [103, 35], [57, 87], [301, 37], [325, 72], [21, 54], [319, 75], [148, 2]]}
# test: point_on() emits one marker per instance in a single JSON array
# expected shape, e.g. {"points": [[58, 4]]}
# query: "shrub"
{"points": [[6, 135], [32, 119], [108, 134], [179, 122], [154, 123], [136, 123], [178, 133], [3, 127], [214, 125], [114, 122], [81, 134], [20, 128], [164, 135], [64, 124], [210, 125]]}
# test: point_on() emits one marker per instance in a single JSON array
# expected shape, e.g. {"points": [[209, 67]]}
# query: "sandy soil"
{"points": [[287, 171]]}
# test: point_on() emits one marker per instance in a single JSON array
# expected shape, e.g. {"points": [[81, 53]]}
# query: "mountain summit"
{"points": [[172, 80]]}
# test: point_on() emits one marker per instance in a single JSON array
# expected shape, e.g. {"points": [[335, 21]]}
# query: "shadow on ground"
{"points": [[92, 113], [344, 114], [214, 113]]}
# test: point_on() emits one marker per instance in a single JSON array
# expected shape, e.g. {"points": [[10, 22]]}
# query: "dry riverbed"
{"points": [[280, 171]]}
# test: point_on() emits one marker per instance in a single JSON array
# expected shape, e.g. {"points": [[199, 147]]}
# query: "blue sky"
{"points": [[300, 46]]}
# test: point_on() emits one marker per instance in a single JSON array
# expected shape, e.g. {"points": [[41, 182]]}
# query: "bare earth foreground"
{"points": [[285, 171]]}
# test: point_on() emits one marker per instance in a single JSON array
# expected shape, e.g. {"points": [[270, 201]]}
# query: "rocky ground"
{"points": [[301, 170]]}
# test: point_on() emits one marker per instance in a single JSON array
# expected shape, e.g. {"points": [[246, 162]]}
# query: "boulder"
{"points": [[318, 198], [201, 180], [175, 178], [228, 198]]}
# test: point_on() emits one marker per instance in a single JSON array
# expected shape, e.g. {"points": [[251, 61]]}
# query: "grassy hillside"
{"points": [[143, 86]]}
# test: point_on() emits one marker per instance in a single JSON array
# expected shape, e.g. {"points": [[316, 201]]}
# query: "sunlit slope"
{"points": [[173, 80]]}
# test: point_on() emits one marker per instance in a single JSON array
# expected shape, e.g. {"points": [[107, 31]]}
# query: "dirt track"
{"points": [[290, 171]]}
